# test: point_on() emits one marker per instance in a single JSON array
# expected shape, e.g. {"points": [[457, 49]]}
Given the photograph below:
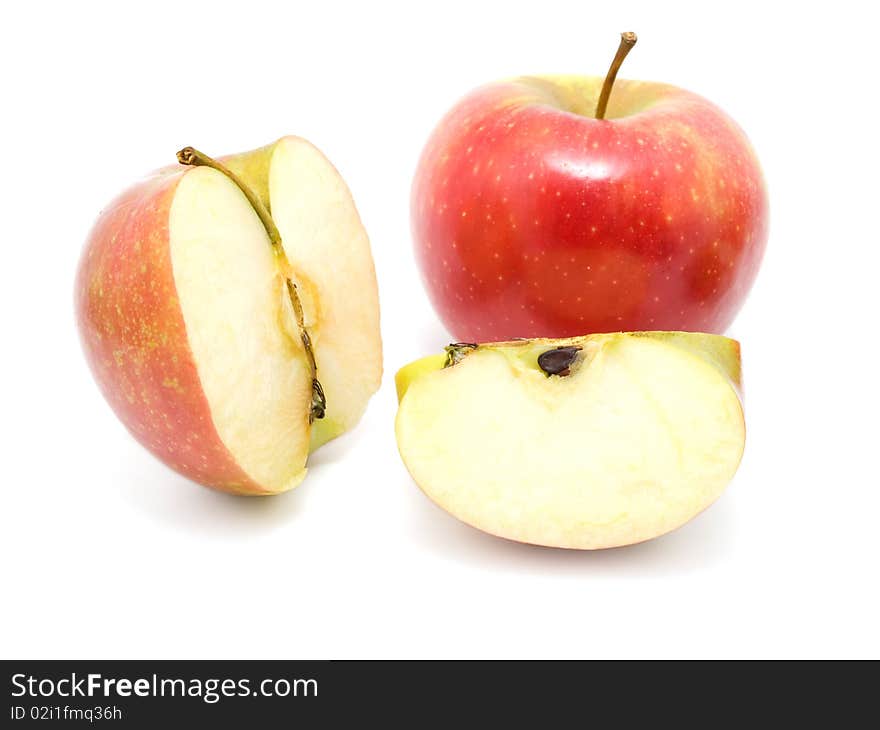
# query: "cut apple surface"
{"points": [[330, 253], [250, 360], [632, 434], [190, 327]]}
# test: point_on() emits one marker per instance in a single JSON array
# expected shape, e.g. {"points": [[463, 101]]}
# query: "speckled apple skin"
{"points": [[530, 219], [135, 341]]}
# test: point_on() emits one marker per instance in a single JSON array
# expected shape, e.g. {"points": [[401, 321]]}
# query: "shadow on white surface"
{"points": [[336, 450], [156, 491], [167, 497], [698, 545]]}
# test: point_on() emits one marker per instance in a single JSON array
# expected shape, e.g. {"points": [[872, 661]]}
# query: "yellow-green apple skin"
{"points": [[643, 433], [135, 337], [532, 218]]}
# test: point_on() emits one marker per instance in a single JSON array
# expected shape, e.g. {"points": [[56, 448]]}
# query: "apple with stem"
{"points": [[554, 206], [229, 313], [586, 442]]}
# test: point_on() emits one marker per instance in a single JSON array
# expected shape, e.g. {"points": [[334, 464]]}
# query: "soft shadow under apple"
{"points": [[153, 489], [166, 496]]}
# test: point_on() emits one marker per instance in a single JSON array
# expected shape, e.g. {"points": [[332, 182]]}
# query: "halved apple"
{"points": [[215, 301], [588, 442]]}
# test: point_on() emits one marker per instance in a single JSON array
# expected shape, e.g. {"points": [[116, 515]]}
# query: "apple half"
{"points": [[197, 340], [588, 442]]}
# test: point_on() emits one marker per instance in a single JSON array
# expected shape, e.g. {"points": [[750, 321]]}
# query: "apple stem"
{"points": [[457, 351], [627, 41], [192, 157]]}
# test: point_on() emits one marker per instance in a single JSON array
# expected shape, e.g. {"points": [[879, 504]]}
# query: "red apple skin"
{"points": [[133, 334], [530, 220]]}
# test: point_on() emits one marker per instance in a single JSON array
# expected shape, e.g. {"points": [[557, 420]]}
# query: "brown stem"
{"points": [[191, 156], [627, 41]]}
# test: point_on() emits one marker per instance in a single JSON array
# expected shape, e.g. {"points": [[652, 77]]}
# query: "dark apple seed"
{"points": [[558, 360], [319, 402]]}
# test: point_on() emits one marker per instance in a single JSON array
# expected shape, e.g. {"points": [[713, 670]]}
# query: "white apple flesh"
{"points": [[329, 251], [643, 432], [250, 359]]}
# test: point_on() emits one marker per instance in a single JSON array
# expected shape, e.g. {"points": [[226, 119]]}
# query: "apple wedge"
{"points": [[588, 442], [230, 314], [329, 252]]}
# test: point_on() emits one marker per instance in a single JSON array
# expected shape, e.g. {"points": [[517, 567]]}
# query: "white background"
{"points": [[106, 553]]}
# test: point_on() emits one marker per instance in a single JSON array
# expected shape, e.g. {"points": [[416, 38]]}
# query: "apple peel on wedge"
{"points": [[624, 436]]}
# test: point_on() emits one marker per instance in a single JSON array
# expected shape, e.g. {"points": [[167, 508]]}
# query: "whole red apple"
{"points": [[532, 217]]}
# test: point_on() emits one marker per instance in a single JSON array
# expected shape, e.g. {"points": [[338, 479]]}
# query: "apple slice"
{"points": [[329, 253], [589, 442], [211, 335]]}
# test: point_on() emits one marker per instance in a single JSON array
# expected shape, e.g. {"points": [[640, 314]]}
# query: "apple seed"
{"points": [[558, 360]]}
